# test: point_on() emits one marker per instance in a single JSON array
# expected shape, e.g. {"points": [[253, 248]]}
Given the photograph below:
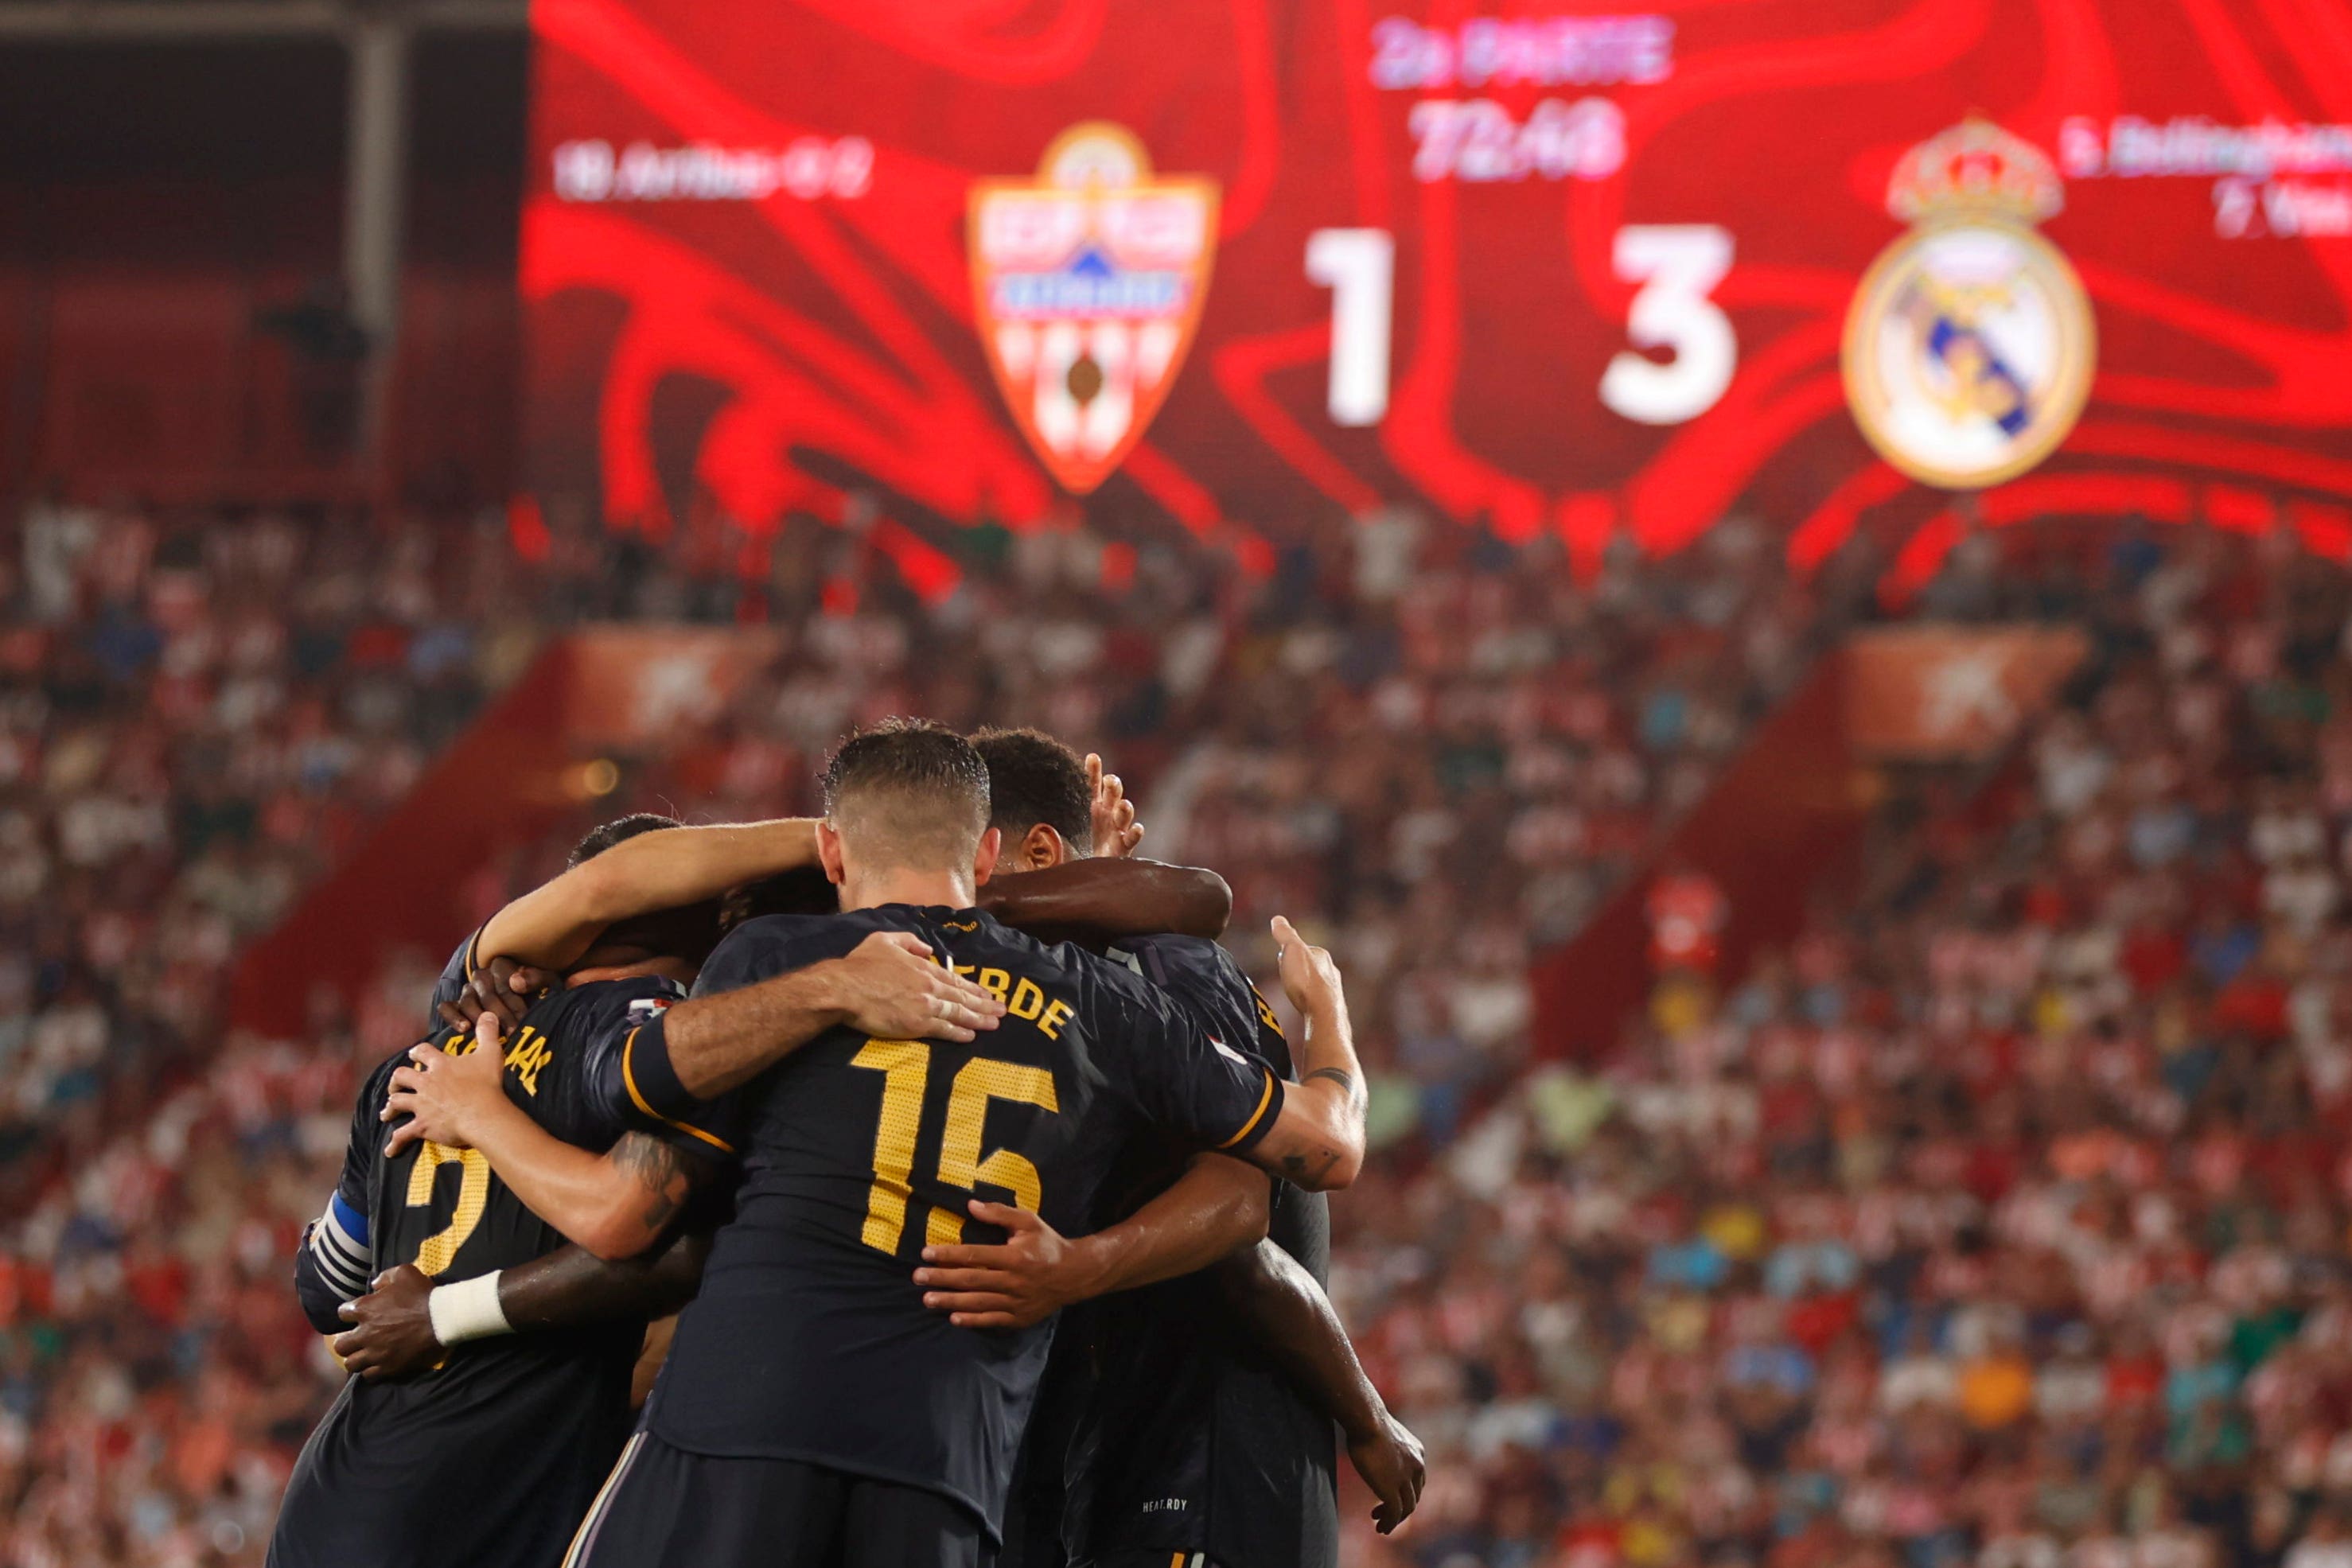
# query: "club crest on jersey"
{"points": [[1087, 284], [1970, 344]]}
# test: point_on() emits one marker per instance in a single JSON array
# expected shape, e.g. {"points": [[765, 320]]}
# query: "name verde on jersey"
{"points": [[1026, 999], [1970, 346], [905, 1066]]}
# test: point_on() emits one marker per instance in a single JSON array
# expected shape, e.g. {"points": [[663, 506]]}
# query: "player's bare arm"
{"points": [[1108, 899], [1293, 1321], [616, 1204], [406, 1323], [890, 986], [1217, 1208], [554, 924], [1317, 1138]]}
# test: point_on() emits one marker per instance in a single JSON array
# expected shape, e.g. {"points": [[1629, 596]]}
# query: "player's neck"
{"points": [[902, 885]]}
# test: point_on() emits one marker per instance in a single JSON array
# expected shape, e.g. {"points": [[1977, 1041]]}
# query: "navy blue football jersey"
{"points": [[809, 1339], [493, 1456], [1184, 1439]]}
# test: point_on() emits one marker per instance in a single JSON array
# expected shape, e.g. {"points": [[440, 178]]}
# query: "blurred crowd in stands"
{"points": [[198, 714], [1999, 1218]]}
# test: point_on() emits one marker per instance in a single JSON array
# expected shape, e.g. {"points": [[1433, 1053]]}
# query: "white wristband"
{"points": [[466, 1310]]}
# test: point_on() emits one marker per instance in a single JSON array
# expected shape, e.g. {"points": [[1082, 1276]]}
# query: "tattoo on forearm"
{"points": [[1346, 1081], [657, 1169], [1303, 1168]]}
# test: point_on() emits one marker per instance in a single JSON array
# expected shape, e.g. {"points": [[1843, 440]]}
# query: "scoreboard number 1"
{"points": [[1677, 265], [1358, 267]]}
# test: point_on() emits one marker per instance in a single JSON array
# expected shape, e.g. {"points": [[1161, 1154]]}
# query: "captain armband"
{"points": [[339, 1249]]}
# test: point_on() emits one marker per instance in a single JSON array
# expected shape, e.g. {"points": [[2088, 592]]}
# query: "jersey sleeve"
{"points": [[1209, 988], [612, 1032], [771, 946], [1181, 1075], [335, 1261], [638, 1082], [454, 975]]}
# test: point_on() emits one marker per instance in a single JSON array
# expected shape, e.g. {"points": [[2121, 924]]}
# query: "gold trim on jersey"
{"points": [[1263, 1099], [629, 1079]]}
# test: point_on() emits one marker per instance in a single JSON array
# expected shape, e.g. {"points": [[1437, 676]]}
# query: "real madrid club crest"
{"points": [[1088, 284], [1969, 345]]}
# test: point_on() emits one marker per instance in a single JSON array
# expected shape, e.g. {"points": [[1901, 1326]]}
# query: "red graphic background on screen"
{"points": [[746, 268]]}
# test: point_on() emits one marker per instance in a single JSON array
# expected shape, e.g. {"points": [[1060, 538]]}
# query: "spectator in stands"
{"points": [[1997, 1218]]}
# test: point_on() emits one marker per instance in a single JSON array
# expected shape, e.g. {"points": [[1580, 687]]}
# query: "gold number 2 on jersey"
{"points": [[434, 1253], [906, 1069]]}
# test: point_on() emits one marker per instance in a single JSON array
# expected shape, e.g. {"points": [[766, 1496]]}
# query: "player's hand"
{"points": [[1389, 1458], [1116, 832], [1310, 978], [500, 986], [892, 987], [1032, 1274], [444, 1097], [395, 1336]]}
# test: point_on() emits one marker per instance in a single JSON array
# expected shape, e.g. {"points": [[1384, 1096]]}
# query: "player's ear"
{"points": [[983, 860], [828, 850], [1041, 847]]}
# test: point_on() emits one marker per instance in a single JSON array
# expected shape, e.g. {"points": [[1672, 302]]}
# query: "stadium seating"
{"points": [[1994, 1218], [2000, 1216]]}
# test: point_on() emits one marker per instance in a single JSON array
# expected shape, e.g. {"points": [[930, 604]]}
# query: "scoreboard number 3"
{"points": [[1676, 265]]}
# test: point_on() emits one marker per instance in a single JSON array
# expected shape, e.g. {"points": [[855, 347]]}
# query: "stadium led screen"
{"points": [[1546, 267]]}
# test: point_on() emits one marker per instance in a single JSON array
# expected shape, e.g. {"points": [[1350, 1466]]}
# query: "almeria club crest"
{"points": [[1087, 284]]}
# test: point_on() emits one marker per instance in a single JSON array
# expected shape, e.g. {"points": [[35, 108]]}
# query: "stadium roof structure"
{"points": [[157, 20], [380, 38]]}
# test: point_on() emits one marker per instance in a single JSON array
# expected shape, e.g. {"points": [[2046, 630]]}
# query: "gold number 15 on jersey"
{"points": [[906, 1069]]}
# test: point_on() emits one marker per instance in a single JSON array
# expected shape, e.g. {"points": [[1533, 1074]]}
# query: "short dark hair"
{"points": [[910, 788], [620, 829], [1031, 778]]}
